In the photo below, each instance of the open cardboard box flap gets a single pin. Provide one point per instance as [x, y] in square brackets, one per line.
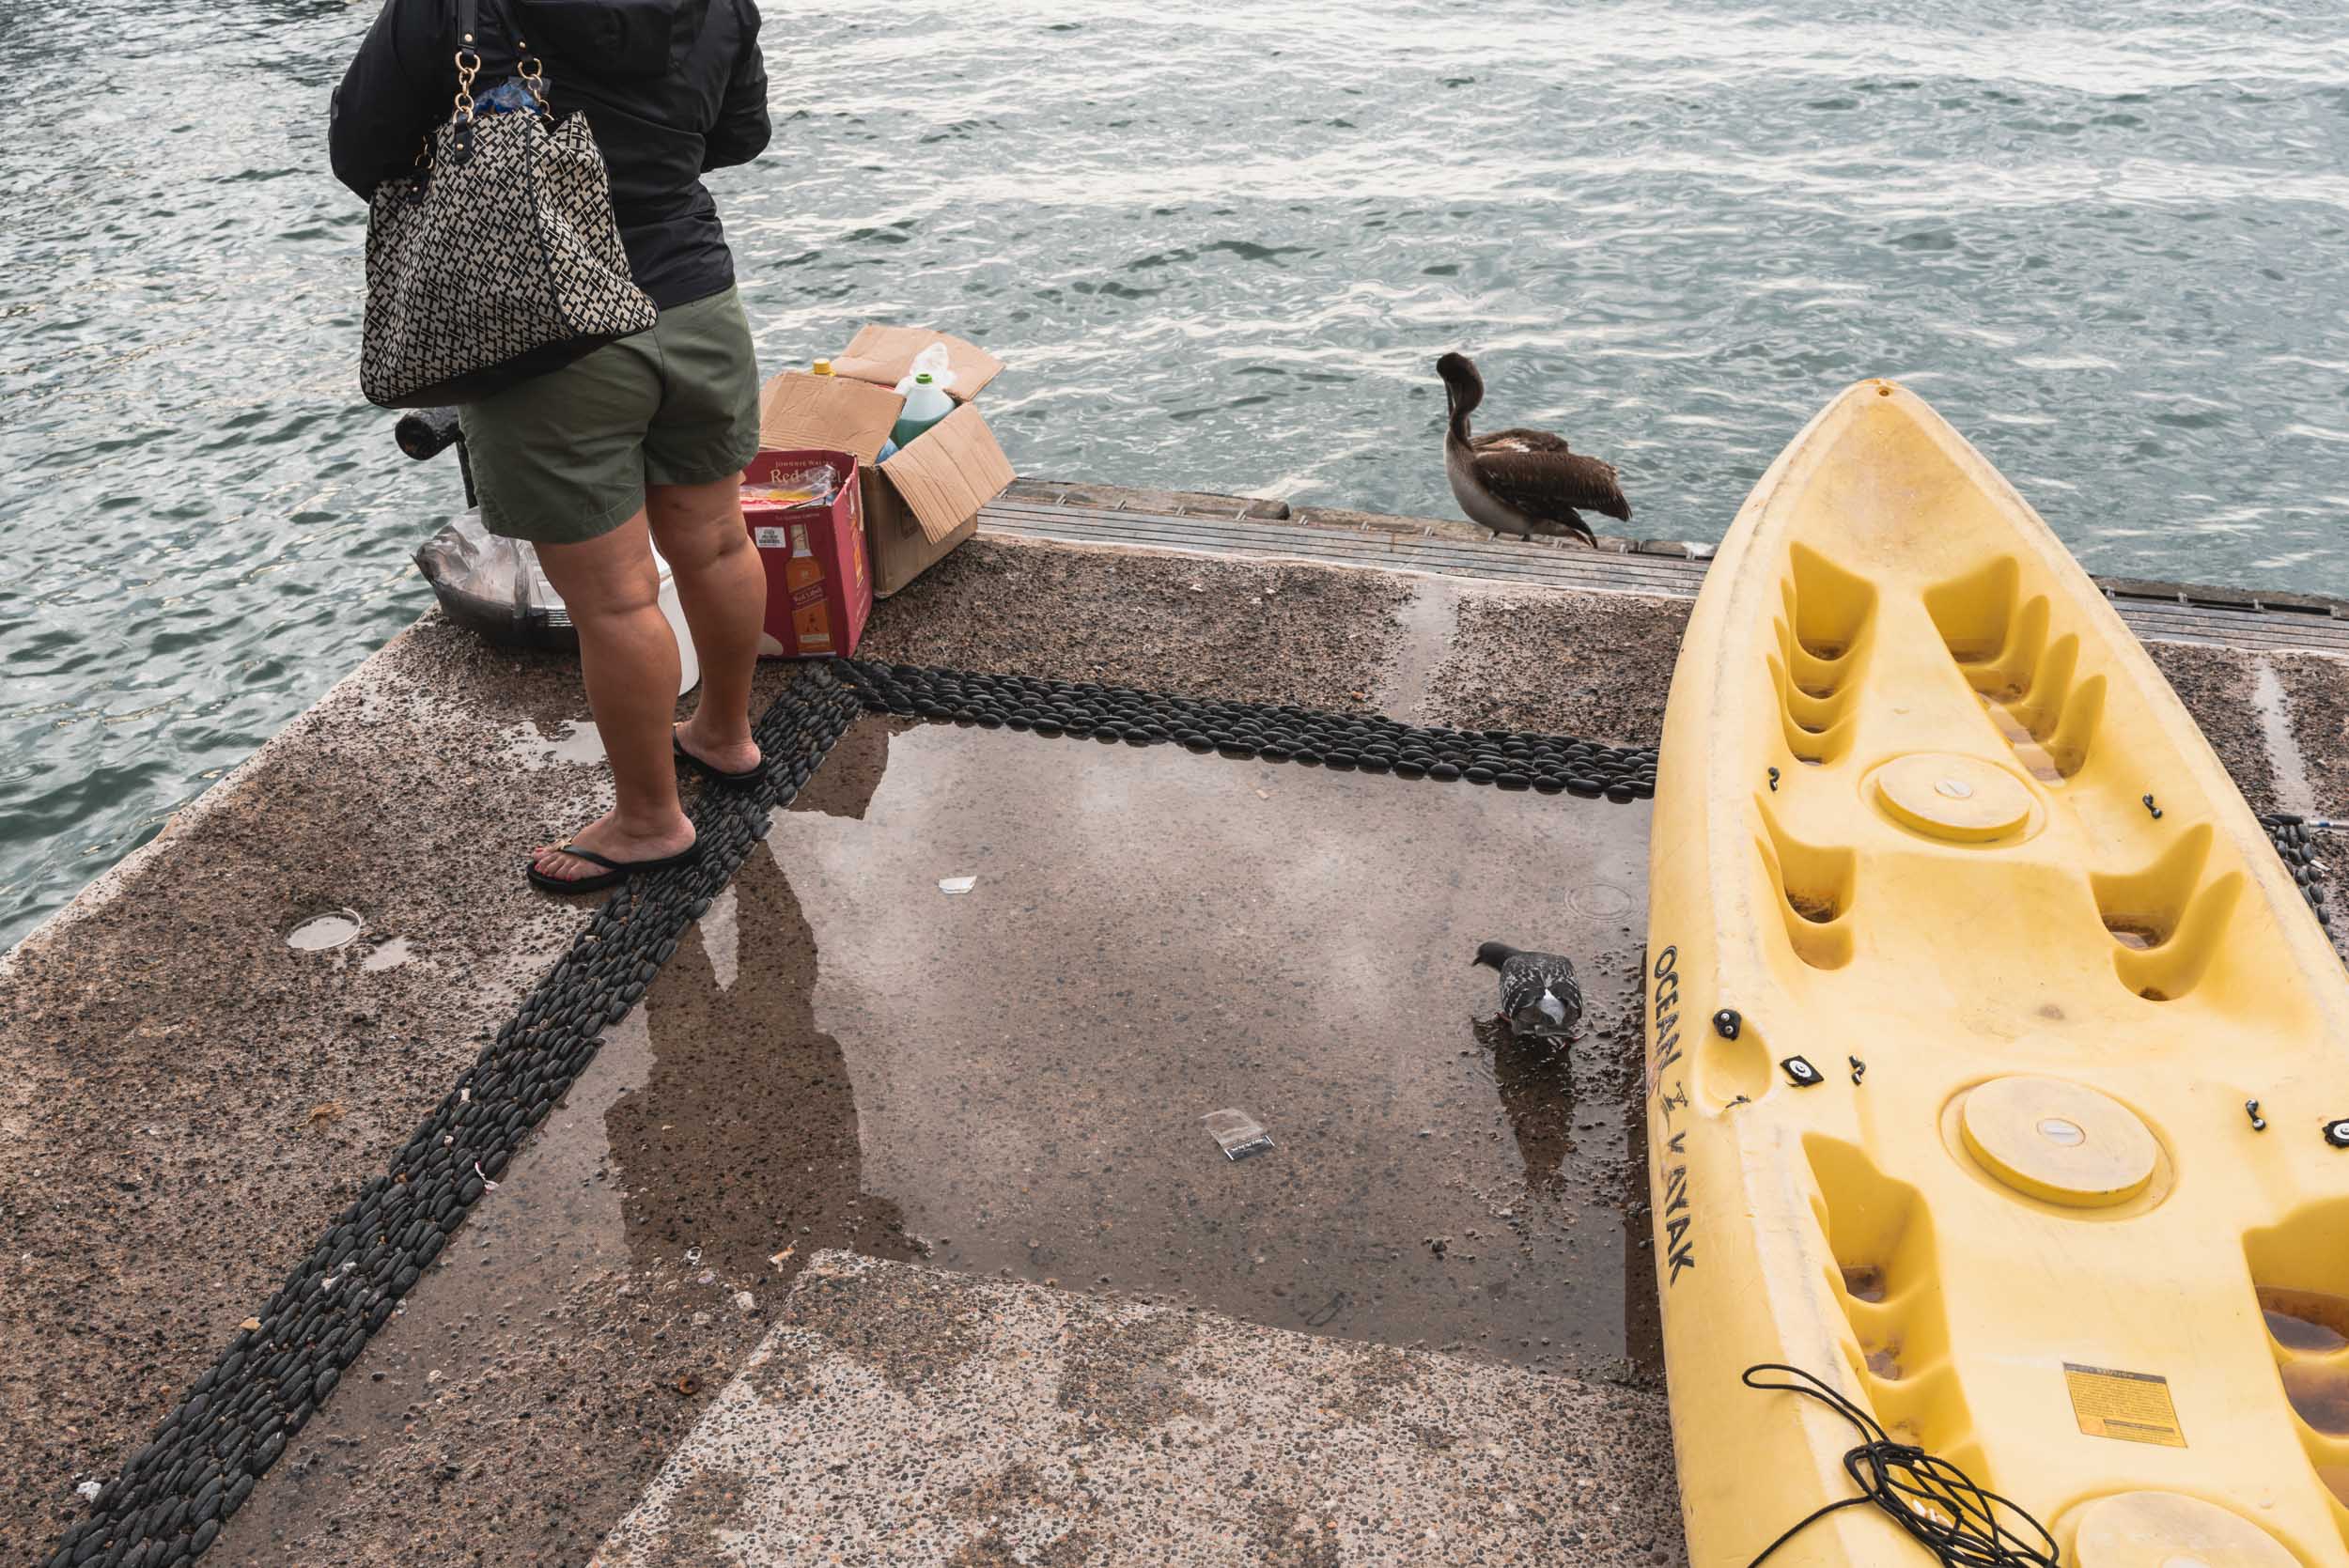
[886, 354]
[949, 472]
[797, 410]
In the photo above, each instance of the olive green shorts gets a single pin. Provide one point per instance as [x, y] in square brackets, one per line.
[566, 456]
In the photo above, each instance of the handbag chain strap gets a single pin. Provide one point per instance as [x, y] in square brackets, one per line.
[526, 65]
[468, 56]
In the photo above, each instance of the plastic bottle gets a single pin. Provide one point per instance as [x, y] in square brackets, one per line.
[925, 407]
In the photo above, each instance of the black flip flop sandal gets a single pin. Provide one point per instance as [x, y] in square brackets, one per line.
[749, 776]
[613, 872]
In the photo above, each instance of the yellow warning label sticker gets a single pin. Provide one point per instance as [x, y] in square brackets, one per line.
[2132, 1406]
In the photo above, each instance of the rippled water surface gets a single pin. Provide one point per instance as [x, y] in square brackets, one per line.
[1219, 246]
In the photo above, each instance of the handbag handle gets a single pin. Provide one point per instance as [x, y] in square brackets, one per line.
[526, 65]
[468, 56]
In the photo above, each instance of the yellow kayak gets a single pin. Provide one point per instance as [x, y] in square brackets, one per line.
[1965, 961]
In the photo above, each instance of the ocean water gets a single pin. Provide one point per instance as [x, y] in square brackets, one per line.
[1219, 247]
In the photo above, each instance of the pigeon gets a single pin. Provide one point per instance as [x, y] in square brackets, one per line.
[1540, 999]
[1520, 482]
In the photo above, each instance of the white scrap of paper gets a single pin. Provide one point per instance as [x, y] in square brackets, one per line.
[956, 884]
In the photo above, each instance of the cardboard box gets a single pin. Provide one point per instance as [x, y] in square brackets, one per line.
[819, 589]
[926, 499]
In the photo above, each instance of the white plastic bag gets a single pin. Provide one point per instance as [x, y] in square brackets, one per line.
[491, 579]
[930, 362]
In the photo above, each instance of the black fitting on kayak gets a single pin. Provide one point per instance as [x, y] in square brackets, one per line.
[1773, 781]
[1859, 1068]
[1726, 1023]
[2337, 1133]
[2251, 1108]
[1801, 1074]
[2150, 807]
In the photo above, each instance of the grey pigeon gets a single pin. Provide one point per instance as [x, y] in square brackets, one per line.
[1540, 999]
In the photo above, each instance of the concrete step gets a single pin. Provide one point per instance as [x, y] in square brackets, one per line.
[907, 1416]
[1096, 515]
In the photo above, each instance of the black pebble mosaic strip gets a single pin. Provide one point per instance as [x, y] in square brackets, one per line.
[168, 1504]
[1374, 744]
[2296, 841]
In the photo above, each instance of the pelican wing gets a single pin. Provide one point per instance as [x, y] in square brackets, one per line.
[1519, 440]
[1547, 485]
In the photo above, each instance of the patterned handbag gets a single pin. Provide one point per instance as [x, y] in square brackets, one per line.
[499, 260]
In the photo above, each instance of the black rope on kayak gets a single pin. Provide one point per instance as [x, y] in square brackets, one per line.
[1934, 1502]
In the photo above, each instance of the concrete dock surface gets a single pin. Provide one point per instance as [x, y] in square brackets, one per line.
[742, 1344]
[1019, 1424]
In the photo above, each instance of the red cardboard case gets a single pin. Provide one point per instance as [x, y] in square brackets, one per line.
[819, 584]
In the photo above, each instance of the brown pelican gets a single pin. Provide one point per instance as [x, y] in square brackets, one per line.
[1520, 482]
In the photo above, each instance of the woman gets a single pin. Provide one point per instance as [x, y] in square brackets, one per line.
[644, 440]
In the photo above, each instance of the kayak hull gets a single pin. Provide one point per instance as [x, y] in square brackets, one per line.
[1965, 956]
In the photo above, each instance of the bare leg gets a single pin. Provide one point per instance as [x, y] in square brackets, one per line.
[630, 659]
[722, 590]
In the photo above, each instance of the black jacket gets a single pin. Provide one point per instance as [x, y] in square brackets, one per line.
[671, 87]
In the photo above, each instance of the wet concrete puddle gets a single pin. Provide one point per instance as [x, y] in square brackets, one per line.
[1010, 1080]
